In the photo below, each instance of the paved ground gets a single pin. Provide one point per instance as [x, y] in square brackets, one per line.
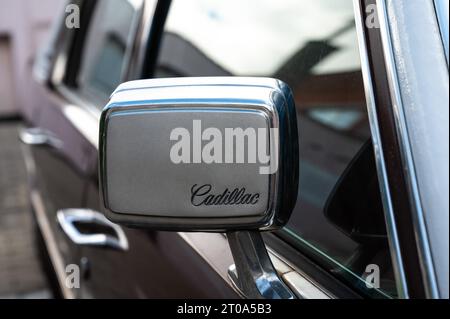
[21, 275]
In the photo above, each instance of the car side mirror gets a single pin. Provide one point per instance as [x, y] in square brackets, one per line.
[200, 154]
[213, 154]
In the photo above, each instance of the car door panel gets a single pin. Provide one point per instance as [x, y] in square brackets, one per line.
[58, 177]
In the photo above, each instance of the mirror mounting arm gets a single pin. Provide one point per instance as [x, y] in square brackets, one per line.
[253, 273]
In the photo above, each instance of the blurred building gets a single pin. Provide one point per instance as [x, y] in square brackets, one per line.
[23, 26]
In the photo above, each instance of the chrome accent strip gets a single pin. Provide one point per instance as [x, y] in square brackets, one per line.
[305, 288]
[420, 230]
[391, 226]
[280, 265]
[302, 287]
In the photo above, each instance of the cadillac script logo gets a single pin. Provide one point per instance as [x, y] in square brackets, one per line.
[204, 195]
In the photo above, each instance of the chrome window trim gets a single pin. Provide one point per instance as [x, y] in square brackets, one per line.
[311, 290]
[60, 64]
[300, 283]
[45, 56]
[427, 267]
[143, 28]
[391, 226]
[442, 7]
[134, 30]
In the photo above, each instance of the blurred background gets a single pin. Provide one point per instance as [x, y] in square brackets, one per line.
[24, 26]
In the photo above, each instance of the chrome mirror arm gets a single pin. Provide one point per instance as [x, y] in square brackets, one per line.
[253, 273]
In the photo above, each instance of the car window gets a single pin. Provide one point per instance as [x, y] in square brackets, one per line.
[312, 45]
[104, 54]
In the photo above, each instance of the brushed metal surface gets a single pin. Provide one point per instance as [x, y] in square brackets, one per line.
[143, 179]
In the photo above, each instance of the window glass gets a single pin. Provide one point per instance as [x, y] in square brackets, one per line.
[104, 52]
[311, 45]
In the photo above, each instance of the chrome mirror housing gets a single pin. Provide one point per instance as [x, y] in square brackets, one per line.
[200, 154]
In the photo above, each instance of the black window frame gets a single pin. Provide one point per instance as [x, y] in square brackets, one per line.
[402, 207]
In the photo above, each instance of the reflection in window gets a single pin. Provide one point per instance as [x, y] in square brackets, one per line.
[312, 46]
[103, 77]
[103, 56]
[339, 119]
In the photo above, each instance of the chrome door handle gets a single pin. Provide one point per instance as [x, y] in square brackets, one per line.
[68, 217]
[39, 136]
